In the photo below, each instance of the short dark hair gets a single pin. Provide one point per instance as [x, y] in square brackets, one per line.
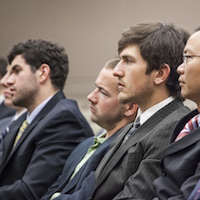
[38, 52]
[159, 44]
[3, 66]
[111, 64]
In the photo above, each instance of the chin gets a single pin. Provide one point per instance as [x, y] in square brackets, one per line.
[122, 98]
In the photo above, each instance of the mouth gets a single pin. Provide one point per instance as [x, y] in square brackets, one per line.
[120, 86]
[181, 83]
[92, 109]
[8, 94]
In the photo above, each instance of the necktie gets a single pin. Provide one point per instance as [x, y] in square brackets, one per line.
[21, 131]
[3, 134]
[136, 125]
[191, 125]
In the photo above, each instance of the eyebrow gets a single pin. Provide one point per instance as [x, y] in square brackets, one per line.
[15, 67]
[101, 88]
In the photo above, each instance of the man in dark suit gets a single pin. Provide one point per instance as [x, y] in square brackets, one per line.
[181, 159]
[5, 111]
[150, 54]
[111, 115]
[33, 155]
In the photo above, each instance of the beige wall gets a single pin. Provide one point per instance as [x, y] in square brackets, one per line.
[88, 29]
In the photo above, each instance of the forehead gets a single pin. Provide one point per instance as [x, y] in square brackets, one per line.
[132, 51]
[106, 79]
[193, 43]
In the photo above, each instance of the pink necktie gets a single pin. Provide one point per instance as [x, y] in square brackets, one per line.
[189, 127]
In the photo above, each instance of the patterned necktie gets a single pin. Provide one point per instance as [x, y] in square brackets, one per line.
[136, 125]
[21, 131]
[3, 134]
[191, 125]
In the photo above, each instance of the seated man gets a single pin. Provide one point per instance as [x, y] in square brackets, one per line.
[40, 140]
[150, 54]
[181, 159]
[111, 115]
[5, 111]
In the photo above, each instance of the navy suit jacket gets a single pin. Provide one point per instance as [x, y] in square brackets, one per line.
[6, 111]
[28, 169]
[180, 164]
[82, 184]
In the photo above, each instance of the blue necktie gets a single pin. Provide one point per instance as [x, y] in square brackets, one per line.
[136, 125]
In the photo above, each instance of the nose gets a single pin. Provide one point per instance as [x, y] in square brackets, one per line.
[118, 70]
[180, 69]
[3, 81]
[92, 97]
[7, 80]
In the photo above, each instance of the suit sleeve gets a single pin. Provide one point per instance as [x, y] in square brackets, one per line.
[49, 148]
[188, 186]
[84, 193]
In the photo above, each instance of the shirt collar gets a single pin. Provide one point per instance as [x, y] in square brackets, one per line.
[100, 138]
[31, 116]
[149, 112]
[1, 98]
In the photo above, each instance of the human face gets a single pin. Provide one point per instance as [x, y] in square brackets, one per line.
[135, 86]
[20, 83]
[189, 70]
[105, 108]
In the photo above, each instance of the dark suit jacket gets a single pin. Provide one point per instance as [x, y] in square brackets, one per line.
[180, 164]
[71, 190]
[6, 111]
[128, 170]
[28, 169]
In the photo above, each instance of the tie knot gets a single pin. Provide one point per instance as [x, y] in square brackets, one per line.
[136, 123]
[24, 126]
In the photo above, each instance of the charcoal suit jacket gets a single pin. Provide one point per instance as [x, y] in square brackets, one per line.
[128, 170]
[28, 169]
[180, 164]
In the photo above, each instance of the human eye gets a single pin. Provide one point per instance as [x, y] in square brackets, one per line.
[16, 70]
[127, 59]
[186, 58]
[102, 91]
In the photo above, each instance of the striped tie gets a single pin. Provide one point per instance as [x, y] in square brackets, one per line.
[4, 133]
[191, 125]
[21, 131]
[136, 125]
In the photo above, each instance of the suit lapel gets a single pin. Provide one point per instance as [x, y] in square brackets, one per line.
[117, 153]
[10, 137]
[186, 141]
[47, 108]
[10, 150]
[113, 148]
[73, 162]
[96, 157]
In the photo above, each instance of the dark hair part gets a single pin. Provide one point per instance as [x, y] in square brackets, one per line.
[38, 52]
[111, 64]
[3, 66]
[159, 44]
